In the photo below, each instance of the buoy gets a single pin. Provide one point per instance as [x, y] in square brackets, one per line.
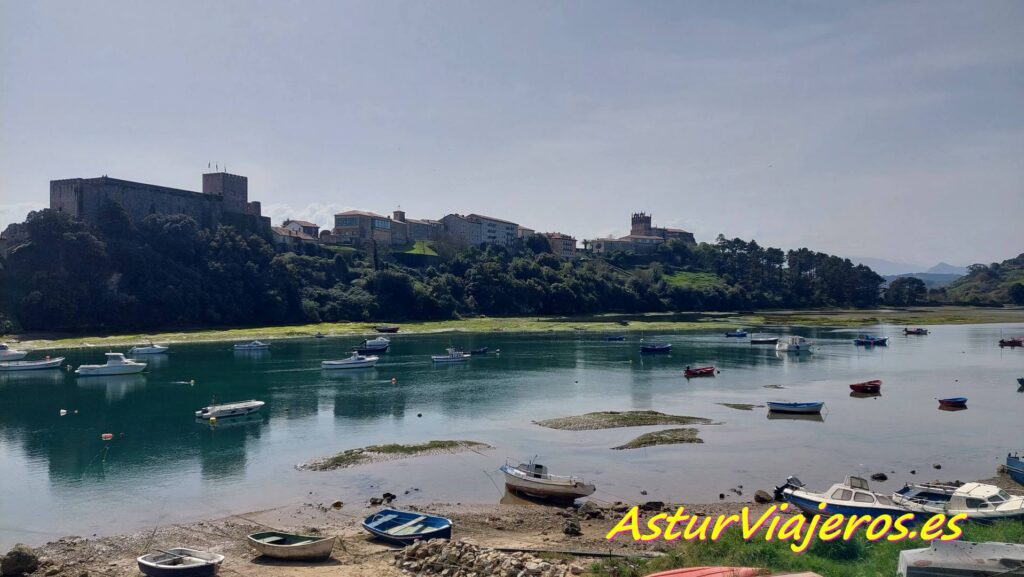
[107, 436]
[63, 412]
[213, 420]
[191, 382]
[394, 380]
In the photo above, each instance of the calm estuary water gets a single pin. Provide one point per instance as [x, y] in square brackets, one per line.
[57, 477]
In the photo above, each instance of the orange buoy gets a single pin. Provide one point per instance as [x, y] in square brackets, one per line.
[107, 436]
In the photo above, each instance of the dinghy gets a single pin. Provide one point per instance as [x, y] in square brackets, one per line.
[235, 409]
[534, 480]
[356, 361]
[867, 387]
[180, 562]
[32, 365]
[454, 356]
[736, 334]
[9, 354]
[796, 408]
[291, 546]
[871, 341]
[656, 348]
[116, 365]
[615, 338]
[1015, 467]
[851, 497]
[151, 349]
[253, 346]
[918, 331]
[405, 527]
[953, 403]
[387, 329]
[699, 372]
[764, 340]
[978, 501]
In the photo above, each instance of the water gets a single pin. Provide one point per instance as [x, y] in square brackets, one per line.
[57, 477]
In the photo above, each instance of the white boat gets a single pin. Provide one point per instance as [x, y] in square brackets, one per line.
[116, 365]
[253, 346]
[32, 365]
[962, 559]
[793, 345]
[151, 349]
[851, 497]
[377, 345]
[9, 354]
[980, 502]
[454, 356]
[534, 480]
[356, 361]
[235, 409]
[180, 562]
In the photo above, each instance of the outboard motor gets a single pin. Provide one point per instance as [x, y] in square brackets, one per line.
[791, 483]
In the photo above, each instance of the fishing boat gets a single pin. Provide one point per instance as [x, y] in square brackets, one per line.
[1014, 342]
[356, 361]
[150, 349]
[180, 562]
[405, 527]
[9, 354]
[699, 372]
[236, 409]
[851, 497]
[874, 386]
[534, 480]
[387, 329]
[796, 408]
[1015, 467]
[615, 338]
[377, 345]
[793, 344]
[739, 333]
[46, 363]
[917, 331]
[656, 348]
[870, 341]
[454, 356]
[253, 346]
[291, 546]
[764, 340]
[962, 559]
[978, 501]
[953, 403]
[479, 351]
[710, 572]
[116, 365]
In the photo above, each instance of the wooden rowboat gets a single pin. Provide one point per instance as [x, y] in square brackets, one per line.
[867, 387]
[180, 562]
[953, 403]
[32, 365]
[797, 408]
[656, 348]
[699, 372]
[292, 546]
[405, 527]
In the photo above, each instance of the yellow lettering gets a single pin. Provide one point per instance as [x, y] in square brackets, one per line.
[874, 533]
[629, 522]
[955, 531]
[852, 524]
[932, 528]
[670, 528]
[722, 523]
[689, 533]
[652, 524]
[830, 528]
[808, 535]
[748, 530]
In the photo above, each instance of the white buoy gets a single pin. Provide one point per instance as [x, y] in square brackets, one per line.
[63, 412]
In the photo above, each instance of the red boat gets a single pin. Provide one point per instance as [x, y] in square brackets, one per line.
[699, 372]
[1014, 342]
[867, 387]
[953, 403]
[387, 329]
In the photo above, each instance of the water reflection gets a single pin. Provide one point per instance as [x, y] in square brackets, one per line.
[816, 417]
[857, 395]
[47, 376]
[115, 387]
[252, 354]
[152, 361]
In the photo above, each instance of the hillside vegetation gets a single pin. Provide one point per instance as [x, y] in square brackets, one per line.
[997, 282]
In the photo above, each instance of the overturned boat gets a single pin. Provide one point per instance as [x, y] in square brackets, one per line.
[534, 480]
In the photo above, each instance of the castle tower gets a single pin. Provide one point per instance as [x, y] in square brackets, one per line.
[398, 215]
[641, 224]
[234, 189]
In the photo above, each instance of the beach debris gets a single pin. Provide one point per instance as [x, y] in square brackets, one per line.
[461, 559]
[936, 466]
[337, 504]
[19, 560]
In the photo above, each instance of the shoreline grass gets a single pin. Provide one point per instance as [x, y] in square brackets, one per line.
[618, 419]
[389, 452]
[666, 437]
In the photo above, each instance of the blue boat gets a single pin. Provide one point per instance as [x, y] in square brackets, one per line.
[405, 527]
[798, 408]
[851, 497]
[655, 348]
[1015, 467]
[615, 338]
[738, 333]
[871, 341]
[953, 403]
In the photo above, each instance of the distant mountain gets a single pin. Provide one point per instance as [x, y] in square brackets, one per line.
[944, 268]
[887, 267]
[931, 280]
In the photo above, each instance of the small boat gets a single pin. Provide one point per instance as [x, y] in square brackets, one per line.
[917, 331]
[116, 365]
[1020, 381]
[1015, 467]
[47, 363]
[253, 346]
[9, 354]
[962, 559]
[871, 341]
[764, 340]
[954, 403]
[874, 386]
[356, 361]
[454, 356]
[291, 546]
[793, 345]
[180, 562]
[387, 329]
[405, 527]
[377, 345]
[710, 572]
[236, 409]
[534, 480]
[319, 335]
[151, 349]
[616, 338]
[737, 333]
[656, 348]
[1014, 342]
[796, 408]
[699, 372]
[480, 351]
[978, 501]
[851, 497]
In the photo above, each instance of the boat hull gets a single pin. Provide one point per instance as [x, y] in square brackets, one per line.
[154, 350]
[31, 365]
[656, 349]
[100, 370]
[954, 403]
[867, 387]
[163, 564]
[425, 526]
[809, 504]
[334, 365]
[773, 341]
[795, 408]
[225, 411]
[13, 355]
[447, 359]
[547, 489]
[701, 372]
[1015, 468]
[292, 547]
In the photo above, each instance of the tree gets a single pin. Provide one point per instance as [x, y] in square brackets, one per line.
[1016, 293]
[906, 290]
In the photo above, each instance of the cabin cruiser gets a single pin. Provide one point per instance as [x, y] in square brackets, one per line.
[454, 356]
[851, 497]
[534, 480]
[9, 354]
[980, 502]
[150, 349]
[377, 345]
[793, 344]
[356, 361]
[253, 346]
[116, 365]
[235, 409]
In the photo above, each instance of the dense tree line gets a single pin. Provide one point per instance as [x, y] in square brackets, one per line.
[168, 272]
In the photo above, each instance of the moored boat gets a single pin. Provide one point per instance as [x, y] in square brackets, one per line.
[953, 403]
[978, 501]
[916, 331]
[533, 479]
[405, 527]
[807, 408]
[851, 497]
[116, 365]
[1015, 467]
[454, 356]
[150, 349]
[235, 409]
[291, 546]
[794, 344]
[756, 340]
[739, 333]
[656, 348]
[377, 345]
[180, 562]
[252, 346]
[9, 354]
[867, 386]
[1014, 342]
[699, 372]
[871, 341]
[356, 361]
[387, 329]
[46, 363]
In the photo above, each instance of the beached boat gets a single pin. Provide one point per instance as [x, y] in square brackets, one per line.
[962, 559]
[755, 340]
[479, 351]
[656, 348]
[405, 527]
[736, 334]
[9, 354]
[356, 361]
[917, 331]
[454, 356]
[387, 329]
[698, 372]
[236, 409]
[291, 546]
[978, 501]
[867, 386]
[953, 403]
[796, 408]
[1014, 342]
[253, 346]
[871, 341]
[851, 497]
[534, 480]
[116, 365]
[180, 562]
[615, 338]
[710, 572]
[150, 349]
[793, 344]
[46, 363]
[1015, 467]
[377, 345]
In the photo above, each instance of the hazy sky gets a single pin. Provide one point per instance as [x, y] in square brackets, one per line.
[893, 130]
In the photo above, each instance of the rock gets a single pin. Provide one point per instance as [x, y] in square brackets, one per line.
[721, 496]
[53, 571]
[376, 501]
[572, 528]
[879, 477]
[621, 507]
[762, 497]
[389, 497]
[652, 506]
[643, 491]
[936, 466]
[337, 504]
[591, 511]
[20, 559]
[913, 471]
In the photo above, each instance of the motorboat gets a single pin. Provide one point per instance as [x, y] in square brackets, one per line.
[292, 546]
[656, 348]
[150, 349]
[917, 331]
[874, 386]
[236, 409]
[405, 527]
[698, 372]
[736, 334]
[953, 403]
[252, 346]
[755, 340]
[851, 497]
[180, 562]
[46, 363]
[978, 501]
[387, 329]
[1015, 467]
[796, 408]
[794, 344]
[9, 354]
[534, 480]
[377, 345]
[356, 361]
[116, 365]
[962, 559]
[454, 355]
[870, 341]
[1014, 342]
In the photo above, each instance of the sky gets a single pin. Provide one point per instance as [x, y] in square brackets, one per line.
[891, 129]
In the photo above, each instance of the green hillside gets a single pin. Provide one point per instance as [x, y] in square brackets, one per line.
[998, 282]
